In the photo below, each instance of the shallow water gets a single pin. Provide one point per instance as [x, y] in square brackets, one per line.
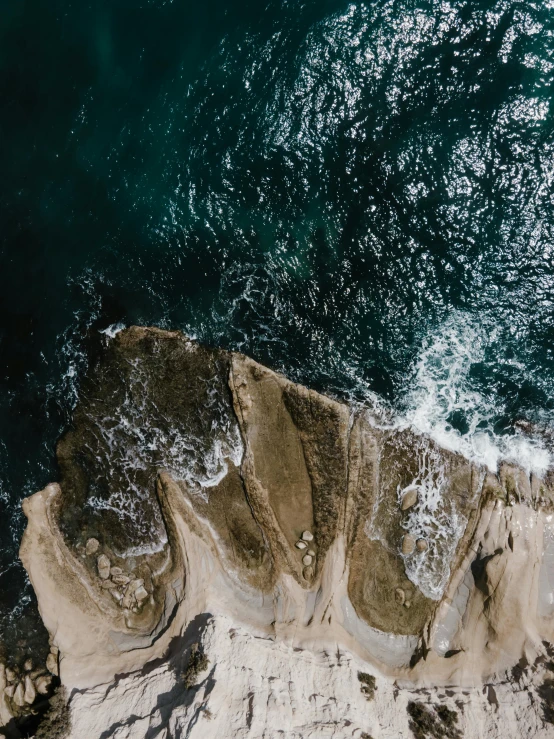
[359, 195]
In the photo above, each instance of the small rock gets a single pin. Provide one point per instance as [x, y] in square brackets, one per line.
[141, 594]
[121, 579]
[28, 665]
[10, 675]
[400, 596]
[311, 552]
[91, 547]
[408, 544]
[103, 564]
[421, 545]
[307, 560]
[108, 584]
[43, 684]
[19, 695]
[30, 691]
[308, 573]
[409, 499]
[407, 604]
[9, 690]
[54, 649]
[128, 598]
[134, 585]
[116, 571]
[52, 664]
[116, 595]
[307, 536]
[301, 544]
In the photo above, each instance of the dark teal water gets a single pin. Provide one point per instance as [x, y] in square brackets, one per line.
[357, 194]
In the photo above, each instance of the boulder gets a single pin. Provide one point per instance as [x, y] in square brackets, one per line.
[121, 579]
[10, 675]
[421, 545]
[408, 544]
[307, 560]
[409, 499]
[129, 596]
[307, 536]
[43, 683]
[91, 547]
[28, 665]
[30, 690]
[400, 596]
[103, 564]
[9, 690]
[19, 695]
[301, 544]
[141, 594]
[52, 664]
[116, 571]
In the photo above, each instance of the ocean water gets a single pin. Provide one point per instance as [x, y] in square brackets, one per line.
[357, 194]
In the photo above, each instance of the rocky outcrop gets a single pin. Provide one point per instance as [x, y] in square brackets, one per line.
[205, 499]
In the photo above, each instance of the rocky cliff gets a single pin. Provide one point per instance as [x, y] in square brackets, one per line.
[230, 554]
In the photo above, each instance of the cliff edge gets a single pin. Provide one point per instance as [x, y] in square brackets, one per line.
[230, 554]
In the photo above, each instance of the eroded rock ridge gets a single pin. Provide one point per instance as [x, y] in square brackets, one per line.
[209, 506]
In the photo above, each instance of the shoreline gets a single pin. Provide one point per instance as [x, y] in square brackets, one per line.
[279, 551]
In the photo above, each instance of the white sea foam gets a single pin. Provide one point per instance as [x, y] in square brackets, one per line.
[433, 518]
[113, 330]
[442, 386]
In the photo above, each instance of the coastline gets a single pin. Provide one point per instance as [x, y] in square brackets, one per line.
[313, 476]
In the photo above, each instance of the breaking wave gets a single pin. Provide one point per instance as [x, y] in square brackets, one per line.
[446, 400]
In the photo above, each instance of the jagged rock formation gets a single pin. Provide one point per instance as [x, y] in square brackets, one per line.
[205, 499]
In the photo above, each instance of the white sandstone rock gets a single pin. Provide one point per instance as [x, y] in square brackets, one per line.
[408, 544]
[30, 690]
[121, 579]
[43, 684]
[141, 594]
[91, 547]
[19, 695]
[409, 499]
[103, 564]
[52, 664]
